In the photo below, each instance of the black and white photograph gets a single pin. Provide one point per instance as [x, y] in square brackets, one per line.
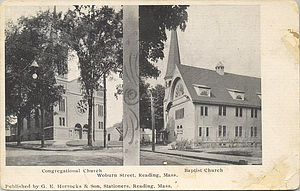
[199, 85]
[168, 95]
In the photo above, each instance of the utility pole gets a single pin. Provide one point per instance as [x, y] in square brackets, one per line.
[42, 124]
[152, 122]
[104, 108]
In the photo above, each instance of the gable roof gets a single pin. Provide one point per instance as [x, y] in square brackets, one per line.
[219, 85]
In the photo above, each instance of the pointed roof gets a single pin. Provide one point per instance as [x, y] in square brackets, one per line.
[174, 56]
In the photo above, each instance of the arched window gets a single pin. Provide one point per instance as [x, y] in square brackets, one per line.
[179, 90]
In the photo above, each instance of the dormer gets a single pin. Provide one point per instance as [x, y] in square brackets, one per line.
[237, 94]
[202, 90]
[258, 94]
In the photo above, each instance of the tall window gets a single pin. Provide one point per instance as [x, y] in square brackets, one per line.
[62, 105]
[207, 131]
[254, 113]
[222, 131]
[252, 132]
[240, 131]
[255, 131]
[200, 131]
[222, 110]
[236, 131]
[100, 110]
[62, 121]
[101, 125]
[239, 112]
[179, 114]
[204, 111]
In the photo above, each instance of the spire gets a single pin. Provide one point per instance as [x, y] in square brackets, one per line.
[174, 57]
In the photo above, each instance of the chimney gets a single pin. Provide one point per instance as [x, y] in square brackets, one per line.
[220, 68]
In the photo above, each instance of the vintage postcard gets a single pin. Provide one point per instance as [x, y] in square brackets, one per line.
[149, 95]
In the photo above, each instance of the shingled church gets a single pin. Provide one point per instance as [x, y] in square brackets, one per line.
[210, 107]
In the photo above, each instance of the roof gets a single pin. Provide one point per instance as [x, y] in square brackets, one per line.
[219, 85]
[174, 56]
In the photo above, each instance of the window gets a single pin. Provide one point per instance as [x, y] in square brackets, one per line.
[255, 131]
[62, 121]
[101, 125]
[61, 106]
[252, 132]
[237, 94]
[108, 137]
[238, 131]
[179, 90]
[204, 111]
[200, 131]
[179, 114]
[222, 131]
[253, 113]
[100, 110]
[207, 131]
[222, 110]
[239, 112]
[241, 131]
[202, 90]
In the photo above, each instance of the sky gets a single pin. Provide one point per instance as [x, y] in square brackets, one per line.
[219, 33]
[215, 33]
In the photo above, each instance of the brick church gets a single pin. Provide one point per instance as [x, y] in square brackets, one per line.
[210, 107]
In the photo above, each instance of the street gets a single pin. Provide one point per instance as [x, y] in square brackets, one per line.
[110, 157]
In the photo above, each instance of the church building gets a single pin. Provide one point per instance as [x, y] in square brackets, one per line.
[210, 108]
[68, 119]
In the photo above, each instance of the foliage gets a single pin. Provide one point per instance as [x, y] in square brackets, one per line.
[182, 144]
[153, 23]
[28, 40]
[158, 93]
[94, 33]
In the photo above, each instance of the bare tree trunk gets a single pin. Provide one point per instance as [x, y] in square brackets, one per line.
[19, 121]
[90, 132]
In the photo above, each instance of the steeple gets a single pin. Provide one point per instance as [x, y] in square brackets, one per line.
[174, 57]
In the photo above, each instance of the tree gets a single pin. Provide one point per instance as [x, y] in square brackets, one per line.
[158, 93]
[153, 23]
[28, 40]
[94, 33]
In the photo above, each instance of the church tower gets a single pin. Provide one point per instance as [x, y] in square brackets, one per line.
[173, 60]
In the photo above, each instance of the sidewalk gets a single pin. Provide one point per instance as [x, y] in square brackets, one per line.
[63, 145]
[205, 155]
[48, 146]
